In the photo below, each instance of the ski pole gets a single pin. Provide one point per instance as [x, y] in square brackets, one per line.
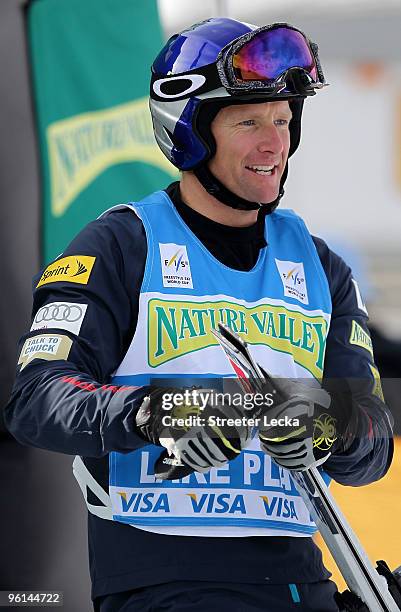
[350, 557]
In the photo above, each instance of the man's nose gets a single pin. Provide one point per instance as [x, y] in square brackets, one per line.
[271, 140]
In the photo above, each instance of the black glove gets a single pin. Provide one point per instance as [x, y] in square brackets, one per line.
[324, 426]
[208, 438]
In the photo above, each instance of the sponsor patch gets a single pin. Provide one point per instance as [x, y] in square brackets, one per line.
[377, 385]
[48, 347]
[176, 270]
[251, 491]
[292, 276]
[177, 327]
[61, 315]
[360, 337]
[71, 269]
[359, 300]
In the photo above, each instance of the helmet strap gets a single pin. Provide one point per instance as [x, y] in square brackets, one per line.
[216, 189]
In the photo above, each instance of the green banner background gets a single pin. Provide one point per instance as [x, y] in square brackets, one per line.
[91, 68]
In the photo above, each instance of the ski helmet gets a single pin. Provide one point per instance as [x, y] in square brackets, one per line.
[221, 62]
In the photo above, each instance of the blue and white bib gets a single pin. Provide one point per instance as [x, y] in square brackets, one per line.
[282, 309]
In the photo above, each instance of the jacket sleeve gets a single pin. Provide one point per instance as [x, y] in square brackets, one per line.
[85, 309]
[349, 360]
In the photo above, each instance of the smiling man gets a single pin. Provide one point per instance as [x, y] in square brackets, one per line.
[252, 139]
[253, 146]
[225, 529]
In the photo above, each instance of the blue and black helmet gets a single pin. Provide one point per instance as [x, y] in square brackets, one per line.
[221, 62]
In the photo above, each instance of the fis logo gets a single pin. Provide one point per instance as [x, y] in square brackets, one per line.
[292, 276]
[212, 503]
[143, 502]
[279, 507]
[176, 261]
[176, 271]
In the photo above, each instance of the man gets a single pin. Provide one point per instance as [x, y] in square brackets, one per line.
[135, 297]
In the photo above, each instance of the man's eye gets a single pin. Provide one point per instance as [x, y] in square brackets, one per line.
[282, 122]
[247, 122]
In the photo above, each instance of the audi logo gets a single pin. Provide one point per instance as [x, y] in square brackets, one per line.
[59, 312]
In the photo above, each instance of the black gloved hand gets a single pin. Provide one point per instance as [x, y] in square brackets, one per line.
[324, 426]
[208, 438]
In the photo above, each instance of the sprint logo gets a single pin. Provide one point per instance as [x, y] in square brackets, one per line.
[292, 276]
[176, 271]
[71, 269]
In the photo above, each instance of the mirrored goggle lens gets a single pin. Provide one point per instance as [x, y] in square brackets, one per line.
[271, 53]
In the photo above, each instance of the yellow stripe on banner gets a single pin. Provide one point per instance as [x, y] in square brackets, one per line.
[83, 146]
[373, 512]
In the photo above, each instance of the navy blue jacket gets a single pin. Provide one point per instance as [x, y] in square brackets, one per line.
[68, 406]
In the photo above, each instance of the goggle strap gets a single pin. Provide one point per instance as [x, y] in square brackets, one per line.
[315, 52]
[172, 83]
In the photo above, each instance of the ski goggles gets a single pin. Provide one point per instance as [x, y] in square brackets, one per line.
[272, 60]
[265, 59]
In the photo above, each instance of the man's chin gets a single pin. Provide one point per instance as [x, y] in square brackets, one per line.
[264, 198]
[260, 194]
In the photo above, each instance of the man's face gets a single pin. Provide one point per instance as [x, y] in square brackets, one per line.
[252, 141]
